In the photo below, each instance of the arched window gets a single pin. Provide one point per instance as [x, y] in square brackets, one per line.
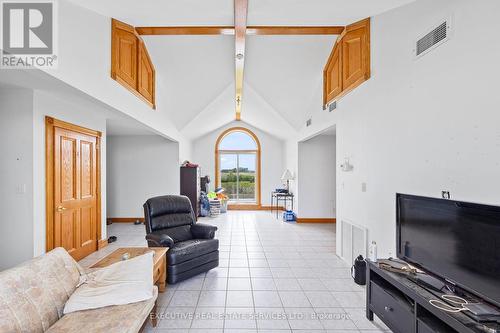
[237, 165]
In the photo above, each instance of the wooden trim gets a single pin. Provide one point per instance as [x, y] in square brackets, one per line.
[102, 243]
[98, 190]
[122, 25]
[49, 183]
[166, 31]
[50, 125]
[258, 153]
[229, 30]
[316, 220]
[271, 208]
[294, 30]
[124, 219]
[136, 93]
[239, 151]
[244, 207]
[71, 127]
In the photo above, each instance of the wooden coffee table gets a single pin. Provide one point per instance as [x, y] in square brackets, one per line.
[159, 261]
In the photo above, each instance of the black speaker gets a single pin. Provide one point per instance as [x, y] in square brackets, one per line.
[358, 270]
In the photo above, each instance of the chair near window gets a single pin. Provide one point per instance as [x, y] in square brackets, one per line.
[170, 222]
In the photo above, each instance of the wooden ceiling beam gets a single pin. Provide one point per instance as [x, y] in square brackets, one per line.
[207, 30]
[294, 30]
[250, 30]
[240, 27]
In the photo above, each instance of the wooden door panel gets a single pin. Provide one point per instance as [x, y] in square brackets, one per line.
[87, 222]
[75, 192]
[87, 169]
[146, 77]
[68, 222]
[334, 74]
[67, 168]
[125, 57]
[352, 57]
[356, 54]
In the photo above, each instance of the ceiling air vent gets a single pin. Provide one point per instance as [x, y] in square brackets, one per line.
[433, 39]
[332, 106]
[308, 122]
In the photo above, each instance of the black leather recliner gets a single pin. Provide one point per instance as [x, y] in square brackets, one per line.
[170, 222]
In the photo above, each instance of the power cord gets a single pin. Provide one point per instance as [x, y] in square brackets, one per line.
[450, 308]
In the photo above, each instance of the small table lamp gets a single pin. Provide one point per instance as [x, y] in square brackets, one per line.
[287, 176]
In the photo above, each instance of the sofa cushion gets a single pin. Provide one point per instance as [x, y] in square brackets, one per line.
[127, 318]
[33, 294]
[190, 249]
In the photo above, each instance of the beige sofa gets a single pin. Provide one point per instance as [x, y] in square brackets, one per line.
[33, 294]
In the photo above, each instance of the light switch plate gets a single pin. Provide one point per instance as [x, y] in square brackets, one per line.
[21, 189]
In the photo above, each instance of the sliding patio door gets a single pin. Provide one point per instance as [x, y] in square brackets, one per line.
[238, 175]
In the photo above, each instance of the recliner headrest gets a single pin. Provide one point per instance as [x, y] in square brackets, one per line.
[168, 204]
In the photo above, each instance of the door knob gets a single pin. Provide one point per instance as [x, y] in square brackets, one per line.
[61, 208]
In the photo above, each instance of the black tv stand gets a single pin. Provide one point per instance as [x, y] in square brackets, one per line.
[404, 306]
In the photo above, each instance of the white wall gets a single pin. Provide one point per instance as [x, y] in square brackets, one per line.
[139, 167]
[22, 113]
[16, 176]
[74, 112]
[272, 158]
[420, 126]
[316, 177]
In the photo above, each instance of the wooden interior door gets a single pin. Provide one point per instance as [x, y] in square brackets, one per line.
[75, 193]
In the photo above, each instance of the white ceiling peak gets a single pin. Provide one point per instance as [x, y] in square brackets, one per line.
[257, 113]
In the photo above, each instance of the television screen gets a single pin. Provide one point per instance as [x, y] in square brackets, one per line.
[458, 241]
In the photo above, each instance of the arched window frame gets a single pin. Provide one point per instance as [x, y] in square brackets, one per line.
[258, 154]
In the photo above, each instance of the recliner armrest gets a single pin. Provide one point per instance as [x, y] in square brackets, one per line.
[159, 240]
[203, 231]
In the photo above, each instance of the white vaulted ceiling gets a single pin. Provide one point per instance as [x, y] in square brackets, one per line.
[286, 71]
[283, 74]
[194, 70]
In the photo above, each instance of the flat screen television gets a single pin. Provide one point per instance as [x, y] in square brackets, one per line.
[457, 241]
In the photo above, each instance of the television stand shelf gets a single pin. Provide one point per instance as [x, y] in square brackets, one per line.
[404, 306]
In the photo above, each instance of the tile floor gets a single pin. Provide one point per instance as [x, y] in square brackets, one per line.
[272, 277]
